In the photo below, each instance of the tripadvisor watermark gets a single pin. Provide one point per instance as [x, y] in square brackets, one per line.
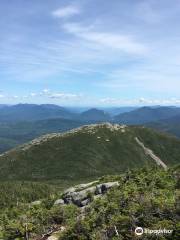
[140, 231]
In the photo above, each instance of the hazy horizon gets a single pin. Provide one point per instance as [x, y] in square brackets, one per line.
[91, 106]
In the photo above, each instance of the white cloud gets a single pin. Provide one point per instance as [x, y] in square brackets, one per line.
[33, 94]
[45, 90]
[116, 41]
[66, 12]
[66, 96]
[139, 102]
[47, 93]
[57, 95]
[165, 102]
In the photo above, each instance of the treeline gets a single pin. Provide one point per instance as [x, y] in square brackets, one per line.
[14, 193]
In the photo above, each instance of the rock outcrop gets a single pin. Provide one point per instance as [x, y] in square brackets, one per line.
[83, 197]
[59, 202]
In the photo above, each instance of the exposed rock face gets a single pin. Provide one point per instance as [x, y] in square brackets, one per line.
[83, 197]
[102, 188]
[79, 187]
[85, 202]
[77, 197]
[106, 186]
[59, 202]
[82, 194]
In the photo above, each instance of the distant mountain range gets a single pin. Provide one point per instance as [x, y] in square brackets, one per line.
[88, 152]
[113, 111]
[146, 114]
[170, 125]
[33, 112]
[95, 115]
[127, 115]
[23, 122]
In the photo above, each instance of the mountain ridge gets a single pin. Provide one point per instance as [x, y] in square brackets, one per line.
[87, 152]
[169, 125]
[32, 112]
[95, 114]
[146, 114]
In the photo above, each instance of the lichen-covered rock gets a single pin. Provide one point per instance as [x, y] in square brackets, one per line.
[70, 190]
[83, 197]
[106, 186]
[85, 185]
[79, 196]
[102, 188]
[79, 187]
[59, 202]
[85, 202]
[98, 189]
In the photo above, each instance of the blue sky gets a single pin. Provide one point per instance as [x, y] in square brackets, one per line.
[90, 52]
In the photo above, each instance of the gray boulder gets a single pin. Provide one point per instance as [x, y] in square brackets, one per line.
[85, 185]
[85, 202]
[79, 196]
[69, 190]
[102, 188]
[108, 185]
[79, 187]
[59, 202]
[98, 189]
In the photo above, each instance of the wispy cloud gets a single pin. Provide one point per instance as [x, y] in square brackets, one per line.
[66, 12]
[44, 94]
[66, 96]
[59, 95]
[125, 43]
[102, 50]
